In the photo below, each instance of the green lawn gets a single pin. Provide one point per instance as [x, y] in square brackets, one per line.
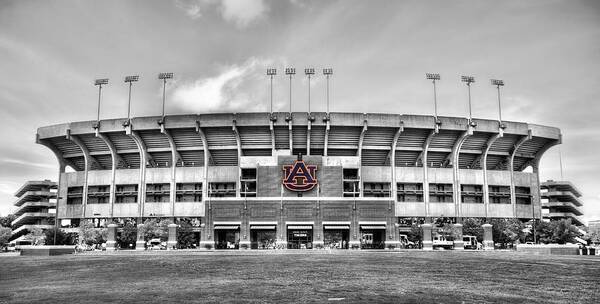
[296, 276]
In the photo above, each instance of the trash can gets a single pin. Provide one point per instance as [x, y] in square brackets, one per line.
[592, 251]
[584, 251]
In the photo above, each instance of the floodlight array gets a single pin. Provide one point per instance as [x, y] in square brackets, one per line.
[132, 78]
[101, 81]
[432, 76]
[290, 71]
[165, 75]
[497, 82]
[328, 71]
[271, 72]
[309, 71]
[467, 79]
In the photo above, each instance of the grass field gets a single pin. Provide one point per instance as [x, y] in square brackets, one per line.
[296, 276]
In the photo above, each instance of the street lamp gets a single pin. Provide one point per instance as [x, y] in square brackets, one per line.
[99, 83]
[309, 72]
[164, 77]
[271, 73]
[291, 72]
[328, 72]
[468, 80]
[130, 80]
[498, 83]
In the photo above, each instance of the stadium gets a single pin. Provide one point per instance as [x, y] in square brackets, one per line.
[297, 180]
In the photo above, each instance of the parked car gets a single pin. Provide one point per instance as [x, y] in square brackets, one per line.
[156, 244]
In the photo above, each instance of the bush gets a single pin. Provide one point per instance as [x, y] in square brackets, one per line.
[128, 236]
[62, 238]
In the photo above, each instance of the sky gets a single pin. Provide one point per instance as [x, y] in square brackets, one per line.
[547, 52]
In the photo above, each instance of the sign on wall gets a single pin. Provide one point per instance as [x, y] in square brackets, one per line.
[300, 176]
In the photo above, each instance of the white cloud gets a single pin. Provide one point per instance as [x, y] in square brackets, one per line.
[193, 8]
[243, 12]
[224, 92]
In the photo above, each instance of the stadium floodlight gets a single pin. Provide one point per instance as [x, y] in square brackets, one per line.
[130, 80]
[291, 72]
[164, 77]
[468, 80]
[433, 77]
[309, 72]
[327, 72]
[271, 72]
[498, 83]
[99, 83]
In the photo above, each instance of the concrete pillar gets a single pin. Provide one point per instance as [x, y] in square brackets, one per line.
[318, 238]
[245, 232]
[172, 242]
[139, 244]
[111, 241]
[427, 242]
[488, 239]
[458, 237]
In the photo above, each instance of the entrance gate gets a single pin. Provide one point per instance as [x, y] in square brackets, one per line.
[299, 237]
[263, 237]
[336, 237]
[372, 237]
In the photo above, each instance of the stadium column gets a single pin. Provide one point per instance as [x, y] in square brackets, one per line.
[272, 130]
[513, 199]
[206, 239]
[395, 240]
[483, 164]
[61, 192]
[536, 170]
[327, 127]
[111, 239]
[87, 160]
[308, 128]
[424, 153]
[359, 153]
[175, 157]
[458, 234]
[115, 158]
[143, 162]
[290, 134]
[456, 170]
[427, 243]
[172, 241]
[488, 241]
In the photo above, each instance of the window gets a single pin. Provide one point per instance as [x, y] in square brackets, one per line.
[351, 183]
[188, 192]
[499, 194]
[248, 183]
[222, 190]
[409, 192]
[98, 194]
[126, 194]
[74, 195]
[440, 193]
[158, 193]
[471, 194]
[523, 195]
[376, 190]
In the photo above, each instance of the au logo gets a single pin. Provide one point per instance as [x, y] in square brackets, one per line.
[300, 176]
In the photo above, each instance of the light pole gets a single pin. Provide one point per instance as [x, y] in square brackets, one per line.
[99, 83]
[468, 80]
[433, 77]
[309, 72]
[498, 83]
[164, 77]
[271, 73]
[130, 80]
[327, 72]
[291, 72]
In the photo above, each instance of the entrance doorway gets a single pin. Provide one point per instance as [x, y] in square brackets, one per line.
[227, 238]
[372, 238]
[299, 238]
[262, 238]
[336, 237]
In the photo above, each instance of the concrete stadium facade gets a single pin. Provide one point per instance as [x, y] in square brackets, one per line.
[372, 170]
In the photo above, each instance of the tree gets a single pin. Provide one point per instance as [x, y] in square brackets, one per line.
[593, 238]
[128, 236]
[153, 229]
[186, 237]
[507, 231]
[62, 238]
[415, 234]
[36, 236]
[5, 233]
[6, 221]
[472, 226]
[87, 232]
[564, 232]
